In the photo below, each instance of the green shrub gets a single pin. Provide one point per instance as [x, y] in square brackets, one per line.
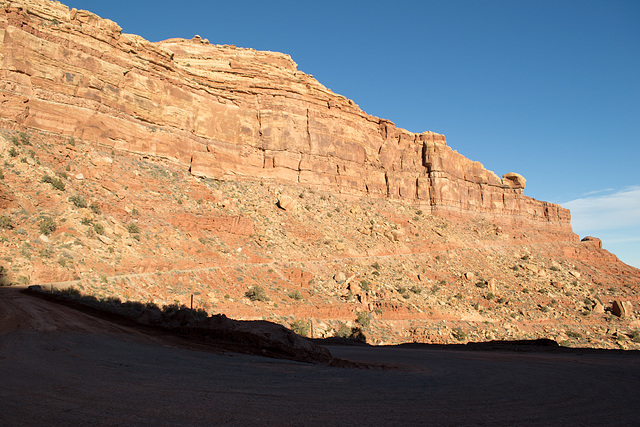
[295, 295]
[78, 201]
[6, 222]
[133, 228]
[459, 334]
[98, 228]
[256, 293]
[71, 141]
[416, 289]
[47, 226]
[95, 208]
[376, 265]
[574, 335]
[55, 182]
[86, 221]
[364, 319]
[364, 284]
[301, 327]
[554, 268]
[25, 138]
[490, 296]
[13, 152]
[343, 331]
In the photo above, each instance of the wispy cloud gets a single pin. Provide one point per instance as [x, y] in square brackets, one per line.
[606, 212]
[606, 190]
[615, 218]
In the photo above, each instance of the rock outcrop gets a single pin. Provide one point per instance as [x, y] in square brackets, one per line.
[227, 112]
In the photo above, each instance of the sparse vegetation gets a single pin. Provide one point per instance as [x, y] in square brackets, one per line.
[78, 201]
[55, 182]
[47, 226]
[95, 208]
[295, 295]
[98, 228]
[363, 319]
[256, 293]
[301, 327]
[6, 222]
[133, 228]
[458, 334]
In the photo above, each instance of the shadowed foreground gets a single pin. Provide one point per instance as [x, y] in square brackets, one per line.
[59, 366]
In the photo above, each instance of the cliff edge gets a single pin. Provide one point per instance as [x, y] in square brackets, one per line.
[233, 113]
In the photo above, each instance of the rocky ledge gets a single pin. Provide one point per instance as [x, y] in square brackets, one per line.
[233, 113]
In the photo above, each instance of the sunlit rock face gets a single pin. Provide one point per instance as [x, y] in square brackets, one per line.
[233, 113]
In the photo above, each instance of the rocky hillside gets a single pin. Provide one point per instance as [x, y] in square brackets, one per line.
[162, 171]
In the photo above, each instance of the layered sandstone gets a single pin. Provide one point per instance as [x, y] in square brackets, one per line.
[231, 113]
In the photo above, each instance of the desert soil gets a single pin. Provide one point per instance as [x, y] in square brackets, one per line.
[59, 366]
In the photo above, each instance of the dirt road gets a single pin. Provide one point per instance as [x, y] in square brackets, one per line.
[61, 367]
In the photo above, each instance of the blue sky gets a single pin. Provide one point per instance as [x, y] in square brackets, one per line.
[548, 89]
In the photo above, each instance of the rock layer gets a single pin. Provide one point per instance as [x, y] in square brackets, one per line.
[232, 113]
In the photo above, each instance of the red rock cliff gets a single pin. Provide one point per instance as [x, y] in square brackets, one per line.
[228, 112]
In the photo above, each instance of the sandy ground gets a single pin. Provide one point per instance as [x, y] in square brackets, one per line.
[62, 367]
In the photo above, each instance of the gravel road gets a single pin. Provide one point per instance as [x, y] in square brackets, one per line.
[59, 366]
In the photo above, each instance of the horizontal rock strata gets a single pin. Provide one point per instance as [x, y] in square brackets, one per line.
[232, 113]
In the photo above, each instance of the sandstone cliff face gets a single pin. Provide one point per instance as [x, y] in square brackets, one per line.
[231, 113]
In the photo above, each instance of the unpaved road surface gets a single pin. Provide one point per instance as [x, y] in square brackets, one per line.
[59, 366]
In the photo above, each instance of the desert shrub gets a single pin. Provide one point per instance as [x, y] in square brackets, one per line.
[343, 331]
[574, 335]
[71, 141]
[98, 228]
[364, 284]
[490, 296]
[256, 293]
[95, 208]
[416, 289]
[25, 138]
[635, 335]
[363, 319]
[78, 201]
[6, 222]
[376, 265]
[86, 221]
[525, 257]
[295, 295]
[47, 226]
[554, 268]
[1, 174]
[55, 182]
[458, 334]
[13, 152]
[515, 268]
[133, 228]
[301, 327]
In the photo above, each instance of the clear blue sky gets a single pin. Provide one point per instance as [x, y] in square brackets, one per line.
[548, 89]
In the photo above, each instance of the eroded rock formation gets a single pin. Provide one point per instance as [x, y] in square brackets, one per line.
[228, 112]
